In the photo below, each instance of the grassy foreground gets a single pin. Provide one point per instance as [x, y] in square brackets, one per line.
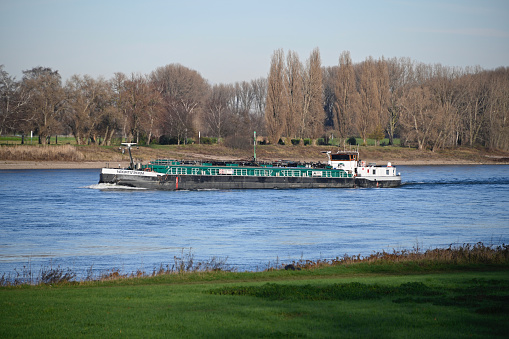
[381, 299]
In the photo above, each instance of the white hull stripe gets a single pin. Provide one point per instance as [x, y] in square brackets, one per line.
[116, 171]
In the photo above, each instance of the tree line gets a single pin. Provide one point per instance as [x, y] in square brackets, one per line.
[172, 102]
[426, 106]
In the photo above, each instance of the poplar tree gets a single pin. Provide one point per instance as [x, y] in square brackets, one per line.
[276, 107]
[293, 77]
[313, 114]
[346, 95]
[367, 116]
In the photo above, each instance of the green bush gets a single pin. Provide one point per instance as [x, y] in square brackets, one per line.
[169, 140]
[208, 140]
[295, 142]
[307, 141]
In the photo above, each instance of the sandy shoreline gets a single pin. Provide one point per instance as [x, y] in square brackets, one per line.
[16, 165]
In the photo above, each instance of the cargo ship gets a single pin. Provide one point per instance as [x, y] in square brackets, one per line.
[343, 169]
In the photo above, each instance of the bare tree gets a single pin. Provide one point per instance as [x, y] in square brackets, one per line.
[183, 91]
[329, 98]
[294, 84]
[86, 102]
[137, 97]
[347, 97]
[419, 116]
[473, 104]
[446, 97]
[259, 87]
[12, 99]
[400, 73]
[313, 114]
[367, 117]
[497, 126]
[243, 98]
[118, 85]
[383, 96]
[217, 114]
[153, 113]
[46, 100]
[276, 107]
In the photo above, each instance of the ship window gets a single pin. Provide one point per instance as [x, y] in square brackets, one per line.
[336, 157]
[387, 172]
[374, 172]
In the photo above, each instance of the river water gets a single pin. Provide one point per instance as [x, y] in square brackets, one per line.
[63, 218]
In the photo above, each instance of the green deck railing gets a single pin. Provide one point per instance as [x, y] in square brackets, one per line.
[172, 167]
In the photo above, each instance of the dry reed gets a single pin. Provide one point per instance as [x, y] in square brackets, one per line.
[458, 255]
[41, 153]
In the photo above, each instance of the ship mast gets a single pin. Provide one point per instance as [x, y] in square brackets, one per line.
[129, 144]
[254, 147]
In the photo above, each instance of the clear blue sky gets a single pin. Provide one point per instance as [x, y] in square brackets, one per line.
[228, 41]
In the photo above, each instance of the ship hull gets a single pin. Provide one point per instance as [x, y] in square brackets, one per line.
[157, 181]
[150, 180]
[387, 182]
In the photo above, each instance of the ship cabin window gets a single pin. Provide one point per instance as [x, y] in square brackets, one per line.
[374, 172]
[343, 157]
[387, 172]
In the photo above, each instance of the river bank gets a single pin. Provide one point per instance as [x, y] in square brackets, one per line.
[82, 157]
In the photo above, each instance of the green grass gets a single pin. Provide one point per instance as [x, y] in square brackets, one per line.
[351, 301]
[372, 142]
[62, 140]
[16, 140]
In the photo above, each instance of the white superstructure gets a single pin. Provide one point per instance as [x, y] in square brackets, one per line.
[350, 162]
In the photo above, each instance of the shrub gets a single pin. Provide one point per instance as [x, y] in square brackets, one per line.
[164, 140]
[352, 141]
[56, 276]
[295, 142]
[170, 140]
[307, 141]
[208, 140]
[322, 141]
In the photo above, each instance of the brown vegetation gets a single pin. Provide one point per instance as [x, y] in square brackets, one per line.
[85, 155]
[42, 153]
[430, 107]
[466, 254]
